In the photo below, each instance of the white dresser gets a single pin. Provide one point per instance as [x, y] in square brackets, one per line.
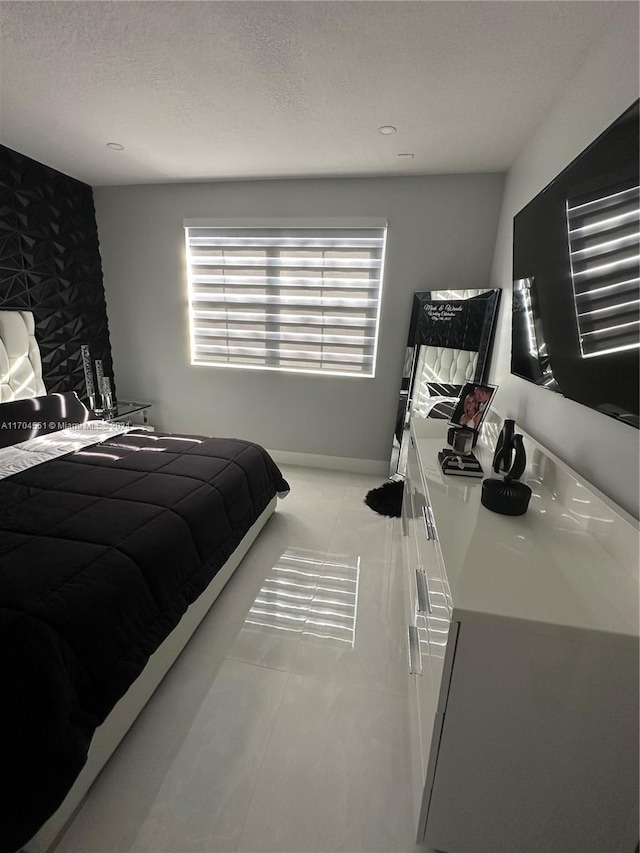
[523, 658]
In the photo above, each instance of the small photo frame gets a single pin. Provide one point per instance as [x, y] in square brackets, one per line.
[473, 404]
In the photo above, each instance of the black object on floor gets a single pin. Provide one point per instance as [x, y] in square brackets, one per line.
[386, 499]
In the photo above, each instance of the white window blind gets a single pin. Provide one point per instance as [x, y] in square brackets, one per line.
[301, 297]
[604, 253]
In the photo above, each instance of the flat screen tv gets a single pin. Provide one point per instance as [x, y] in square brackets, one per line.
[575, 321]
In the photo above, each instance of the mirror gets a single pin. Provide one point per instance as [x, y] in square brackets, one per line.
[449, 343]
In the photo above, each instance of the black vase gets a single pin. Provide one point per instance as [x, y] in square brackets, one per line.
[507, 496]
[502, 458]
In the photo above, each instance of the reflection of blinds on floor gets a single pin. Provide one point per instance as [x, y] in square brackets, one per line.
[301, 297]
[604, 253]
[314, 595]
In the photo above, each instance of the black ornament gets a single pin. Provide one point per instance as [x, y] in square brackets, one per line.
[507, 496]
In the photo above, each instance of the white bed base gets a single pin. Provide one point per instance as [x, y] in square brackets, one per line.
[124, 713]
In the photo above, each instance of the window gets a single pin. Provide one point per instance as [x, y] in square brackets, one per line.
[603, 248]
[272, 295]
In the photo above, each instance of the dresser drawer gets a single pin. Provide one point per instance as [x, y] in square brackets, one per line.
[425, 601]
[438, 626]
[423, 696]
[415, 746]
[410, 555]
[413, 466]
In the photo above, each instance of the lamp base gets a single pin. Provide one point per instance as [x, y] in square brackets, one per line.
[506, 497]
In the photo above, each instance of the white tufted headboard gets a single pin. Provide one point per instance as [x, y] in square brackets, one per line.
[20, 364]
[448, 366]
[441, 366]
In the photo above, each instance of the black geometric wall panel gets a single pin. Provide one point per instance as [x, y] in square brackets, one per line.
[50, 264]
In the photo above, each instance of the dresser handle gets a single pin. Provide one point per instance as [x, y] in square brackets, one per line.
[413, 647]
[432, 523]
[424, 600]
[427, 523]
[413, 444]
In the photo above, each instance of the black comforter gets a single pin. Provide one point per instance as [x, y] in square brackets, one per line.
[101, 552]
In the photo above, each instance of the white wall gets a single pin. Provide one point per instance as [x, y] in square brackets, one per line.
[442, 232]
[604, 451]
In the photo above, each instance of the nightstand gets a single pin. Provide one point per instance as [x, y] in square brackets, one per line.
[133, 412]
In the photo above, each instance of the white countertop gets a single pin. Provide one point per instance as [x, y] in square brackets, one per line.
[569, 563]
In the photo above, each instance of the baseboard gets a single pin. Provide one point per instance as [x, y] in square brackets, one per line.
[333, 463]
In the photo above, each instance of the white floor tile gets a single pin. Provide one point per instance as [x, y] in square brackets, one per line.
[361, 530]
[184, 776]
[335, 776]
[283, 724]
[308, 527]
[376, 656]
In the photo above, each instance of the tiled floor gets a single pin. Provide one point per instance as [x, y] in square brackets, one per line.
[283, 726]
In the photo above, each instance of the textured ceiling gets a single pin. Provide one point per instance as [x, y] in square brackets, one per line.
[222, 90]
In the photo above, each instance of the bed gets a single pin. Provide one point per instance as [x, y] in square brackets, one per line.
[114, 543]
